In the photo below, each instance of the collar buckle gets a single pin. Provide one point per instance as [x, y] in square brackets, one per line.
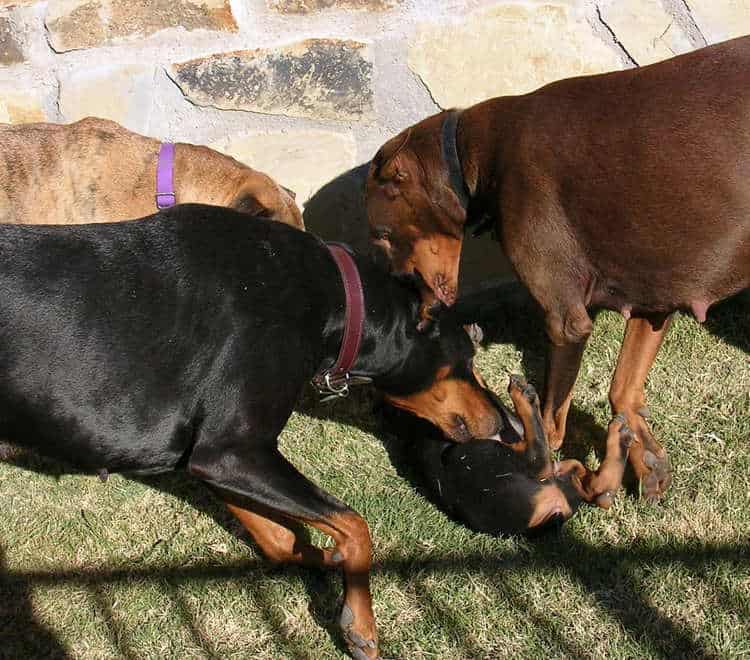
[332, 386]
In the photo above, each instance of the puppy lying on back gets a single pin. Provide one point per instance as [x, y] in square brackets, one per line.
[511, 486]
[97, 171]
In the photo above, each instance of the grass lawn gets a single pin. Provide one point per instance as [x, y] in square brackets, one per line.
[156, 569]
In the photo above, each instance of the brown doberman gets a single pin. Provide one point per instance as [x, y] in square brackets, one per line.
[627, 191]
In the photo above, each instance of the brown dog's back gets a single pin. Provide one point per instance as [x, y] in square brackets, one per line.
[97, 171]
[648, 170]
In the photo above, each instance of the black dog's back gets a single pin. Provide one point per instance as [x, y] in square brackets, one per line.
[481, 483]
[128, 322]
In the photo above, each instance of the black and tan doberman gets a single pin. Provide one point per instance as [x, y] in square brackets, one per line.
[182, 342]
[512, 486]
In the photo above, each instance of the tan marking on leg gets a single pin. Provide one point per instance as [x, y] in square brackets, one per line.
[602, 486]
[563, 364]
[279, 542]
[352, 537]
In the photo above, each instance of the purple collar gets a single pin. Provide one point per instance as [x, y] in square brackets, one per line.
[335, 382]
[165, 196]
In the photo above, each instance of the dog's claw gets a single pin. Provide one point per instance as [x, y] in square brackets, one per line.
[650, 459]
[654, 484]
[517, 381]
[354, 641]
[527, 389]
[347, 616]
[605, 500]
[627, 437]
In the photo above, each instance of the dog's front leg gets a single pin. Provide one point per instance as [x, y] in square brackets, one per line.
[281, 539]
[563, 364]
[643, 338]
[534, 445]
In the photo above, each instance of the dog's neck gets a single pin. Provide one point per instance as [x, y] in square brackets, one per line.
[449, 153]
[194, 182]
[477, 130]
[389, 334]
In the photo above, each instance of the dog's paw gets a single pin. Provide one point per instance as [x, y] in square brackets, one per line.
[648, 458]
[359, 647]
[520, 385]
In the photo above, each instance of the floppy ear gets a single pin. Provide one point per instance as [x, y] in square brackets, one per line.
[387, 166]
[250, 204]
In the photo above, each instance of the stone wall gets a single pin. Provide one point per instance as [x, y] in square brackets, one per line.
[308, 89]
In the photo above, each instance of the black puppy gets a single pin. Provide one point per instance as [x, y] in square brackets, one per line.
[511, 486]
[183, 340]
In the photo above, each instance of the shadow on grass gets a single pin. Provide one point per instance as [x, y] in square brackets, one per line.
[605, 574]
[730, 320]
[21, 635]
[323, 587]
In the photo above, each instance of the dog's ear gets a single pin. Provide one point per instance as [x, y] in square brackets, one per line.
[386, 161]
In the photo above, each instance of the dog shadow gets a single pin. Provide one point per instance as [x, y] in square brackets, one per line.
[730, 320]
[337, 212]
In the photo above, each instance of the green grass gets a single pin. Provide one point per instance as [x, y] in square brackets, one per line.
[126, 569]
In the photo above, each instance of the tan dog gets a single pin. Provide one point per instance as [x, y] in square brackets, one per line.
[97, 171]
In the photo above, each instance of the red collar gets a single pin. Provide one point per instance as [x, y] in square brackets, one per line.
[334, 382]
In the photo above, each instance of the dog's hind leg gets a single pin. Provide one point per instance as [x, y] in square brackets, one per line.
[643, 338]
[245, 471]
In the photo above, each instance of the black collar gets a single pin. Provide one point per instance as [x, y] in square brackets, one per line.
[450, 156]
[479, 221]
